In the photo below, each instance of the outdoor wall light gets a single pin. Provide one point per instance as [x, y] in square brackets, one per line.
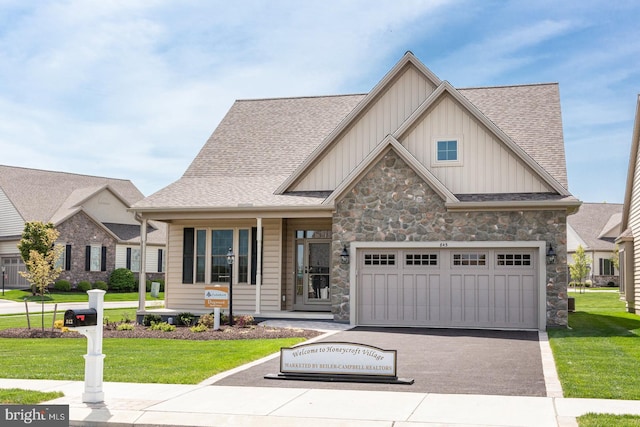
[551, 255]
[344, 255]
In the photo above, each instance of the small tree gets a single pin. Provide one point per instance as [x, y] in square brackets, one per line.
[615, 258]
[40, 255]
[580, 267]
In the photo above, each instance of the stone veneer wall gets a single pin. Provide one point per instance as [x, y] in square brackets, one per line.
[80, 231]
[393, 204]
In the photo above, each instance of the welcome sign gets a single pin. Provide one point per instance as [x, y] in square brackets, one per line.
[338, 358]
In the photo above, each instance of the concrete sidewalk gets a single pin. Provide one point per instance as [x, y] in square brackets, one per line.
[129, 404]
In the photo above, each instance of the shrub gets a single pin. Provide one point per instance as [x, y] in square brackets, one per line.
[83, 286]
[186, 319]
[99, 284]
[58, 324]
[198, 328]
[122, 280]
[125, 327]
[62, 286]
[150, 319]
[162, 326]
[206, 320]
[244, 321]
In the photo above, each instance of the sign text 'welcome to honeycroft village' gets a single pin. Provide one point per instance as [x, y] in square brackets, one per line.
[338, 358]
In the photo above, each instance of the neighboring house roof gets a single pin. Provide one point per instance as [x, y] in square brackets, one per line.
[597, 225]
[49, 196]
[128, 233]
[262, 146]
[38, 195]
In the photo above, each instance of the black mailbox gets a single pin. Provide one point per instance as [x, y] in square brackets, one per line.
[85, 317]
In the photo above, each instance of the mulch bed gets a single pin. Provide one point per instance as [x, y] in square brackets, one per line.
[181, 333]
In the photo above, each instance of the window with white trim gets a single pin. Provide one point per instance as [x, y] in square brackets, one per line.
[379, 259]
[421, 259]
[513, 260]
[447, 151]
[470, 259]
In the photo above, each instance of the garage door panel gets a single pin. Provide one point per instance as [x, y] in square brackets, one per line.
[500, 292]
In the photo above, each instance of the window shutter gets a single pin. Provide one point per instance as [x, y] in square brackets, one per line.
[103, 259]
[128, 265]
[160, 254]
[67, 257]
[187, 255]
[602, 266]
[87, 258]
[254, 253]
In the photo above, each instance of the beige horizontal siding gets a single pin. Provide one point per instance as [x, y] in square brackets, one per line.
[191, 296]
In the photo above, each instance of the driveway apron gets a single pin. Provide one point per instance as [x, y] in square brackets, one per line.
[447, 361]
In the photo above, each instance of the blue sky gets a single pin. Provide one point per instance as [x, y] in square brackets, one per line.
[132, 89]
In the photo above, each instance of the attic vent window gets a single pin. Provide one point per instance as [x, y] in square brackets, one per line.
[447, 151]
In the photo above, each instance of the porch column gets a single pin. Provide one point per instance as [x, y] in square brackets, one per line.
[142, 275]
[258, 264]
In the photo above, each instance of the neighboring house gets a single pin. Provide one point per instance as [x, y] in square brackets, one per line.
[595, 227]
[446, 201]
[91, 214]
[629, 239]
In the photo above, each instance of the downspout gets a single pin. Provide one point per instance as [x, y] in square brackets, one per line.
[142, 275]
[258, 264]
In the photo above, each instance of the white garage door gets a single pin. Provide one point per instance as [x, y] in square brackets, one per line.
[478, 288]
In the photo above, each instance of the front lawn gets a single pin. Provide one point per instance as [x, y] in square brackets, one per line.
[16, 396]
[608, 420]
[140, 360]
[599, 356]
[60, 297]
[20, 320]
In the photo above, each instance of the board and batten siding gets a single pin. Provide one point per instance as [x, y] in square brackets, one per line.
[487, 166]
[106, 207]
[383, 117]
[11, 223]
[190, 297]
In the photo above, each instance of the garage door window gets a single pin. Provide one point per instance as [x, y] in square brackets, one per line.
[514, 260]
[469, 259]
[421, 259]
[379, 259]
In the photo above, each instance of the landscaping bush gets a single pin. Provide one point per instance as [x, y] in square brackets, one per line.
[83, 286]
[99, 284]
[62, 286]
[150, 319]
[199, 328]
[125, 327]
[186, 319]
[122, 280]
[207, 320]
[244, 321]
[162, 326]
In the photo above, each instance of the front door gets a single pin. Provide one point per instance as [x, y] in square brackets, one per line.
[313, 263]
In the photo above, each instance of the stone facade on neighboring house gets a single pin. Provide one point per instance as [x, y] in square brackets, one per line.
[393, 204]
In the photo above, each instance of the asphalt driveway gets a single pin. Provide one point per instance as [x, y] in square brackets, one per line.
[447, 361]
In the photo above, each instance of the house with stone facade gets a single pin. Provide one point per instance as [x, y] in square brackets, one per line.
[416, 204]
[91, 213]
[595, 227]
[629, 239]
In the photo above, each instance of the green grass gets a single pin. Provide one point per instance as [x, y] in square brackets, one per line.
[599, 356]
[608, 420]
[20, 320]
[60, 297]
[16, 396]
[141, 360]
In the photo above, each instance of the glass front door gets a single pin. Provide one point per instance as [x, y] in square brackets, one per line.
[313, 263]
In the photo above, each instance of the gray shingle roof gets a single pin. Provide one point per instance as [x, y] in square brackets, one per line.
[594, 219]
[260, 143]
[39, 194]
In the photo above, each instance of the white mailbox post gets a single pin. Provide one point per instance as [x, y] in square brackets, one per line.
[89, 324]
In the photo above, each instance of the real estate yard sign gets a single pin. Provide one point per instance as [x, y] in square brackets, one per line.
[216, 296]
